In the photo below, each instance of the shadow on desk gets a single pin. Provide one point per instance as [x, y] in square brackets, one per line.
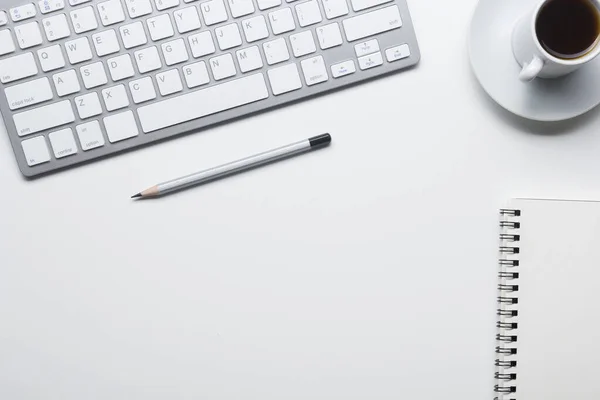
[529, 126]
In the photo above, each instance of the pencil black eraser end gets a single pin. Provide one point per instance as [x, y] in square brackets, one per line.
[321, 140]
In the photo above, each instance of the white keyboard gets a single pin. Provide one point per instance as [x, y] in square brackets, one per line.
[80, 79]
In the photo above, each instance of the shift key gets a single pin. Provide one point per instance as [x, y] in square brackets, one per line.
[40, 119]
[372, 23]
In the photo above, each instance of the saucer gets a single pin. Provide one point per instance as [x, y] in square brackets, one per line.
[497, 70]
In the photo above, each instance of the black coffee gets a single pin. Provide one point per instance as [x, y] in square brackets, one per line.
[568, 29]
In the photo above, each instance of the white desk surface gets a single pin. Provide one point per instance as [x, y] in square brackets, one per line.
[362, 271]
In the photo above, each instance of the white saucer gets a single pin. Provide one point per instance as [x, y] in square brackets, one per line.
[497, 70]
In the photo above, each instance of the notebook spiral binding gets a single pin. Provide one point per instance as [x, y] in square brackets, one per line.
[508, 300]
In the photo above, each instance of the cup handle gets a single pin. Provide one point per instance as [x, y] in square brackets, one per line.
[531, 69]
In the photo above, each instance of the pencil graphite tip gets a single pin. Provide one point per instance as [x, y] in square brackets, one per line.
[135, 196]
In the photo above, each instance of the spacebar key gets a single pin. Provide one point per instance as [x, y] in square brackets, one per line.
[203, 102]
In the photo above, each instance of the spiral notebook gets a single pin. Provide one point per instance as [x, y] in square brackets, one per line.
[548, 329]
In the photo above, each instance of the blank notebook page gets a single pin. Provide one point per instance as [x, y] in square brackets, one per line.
[558, 334]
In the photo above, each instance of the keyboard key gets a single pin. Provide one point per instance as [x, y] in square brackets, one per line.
[335, 8]
[255, 28]
[35, 150]
[51, 58]
[187, 19]
[56, 27]
[228, 36]
[175, 52]
[284, 79]
[213, 12]
[282, 21]
[88, 105]
[42, 118]
[48, 6]
[120, 126]
[28, 94]
[93, 75]
[133, 35]
[142, 90]
[164, 4]
[23, 12]
[115, 98]
[147, 59]
[201, 44]
[111, 12]
[368, 47]
[7, 45]
[358, 5]
[63, 143]
[90, 135]
[397, 53]
[120, 67]
[160, 27]
[370, 61]
[240, 8]
[77, 2]
[343, 69]
[3, 18]
[78, 50]
[249, 59]
[66, 83]
[203, 102]
[17, 67]
[276, 51]
[372, 23]
[329, 36]
[309, 13]
[314, 70]
[266, 4]
[196, 74]
[106, 43]
[222, 66]
[169, 82]
[138, 8]
[303, 43]
[84, 20]
[28, 35]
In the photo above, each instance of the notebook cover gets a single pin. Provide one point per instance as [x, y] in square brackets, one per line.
[548, 330]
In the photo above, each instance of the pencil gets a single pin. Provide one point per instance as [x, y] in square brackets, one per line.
[234, 167]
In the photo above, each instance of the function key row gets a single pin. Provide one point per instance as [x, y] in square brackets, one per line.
[111, 11]
[29, 10]
[23, 12]
[48, 6]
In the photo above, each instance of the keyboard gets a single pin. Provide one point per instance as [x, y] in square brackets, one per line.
[82, 79]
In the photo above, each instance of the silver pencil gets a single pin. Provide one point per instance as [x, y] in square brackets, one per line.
[244, 164]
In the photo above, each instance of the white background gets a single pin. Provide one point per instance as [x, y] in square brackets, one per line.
[365, 270]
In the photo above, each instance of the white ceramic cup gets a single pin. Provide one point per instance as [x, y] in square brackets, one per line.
[531, 56]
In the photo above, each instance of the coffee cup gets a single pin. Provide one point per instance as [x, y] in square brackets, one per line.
[556, 38]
